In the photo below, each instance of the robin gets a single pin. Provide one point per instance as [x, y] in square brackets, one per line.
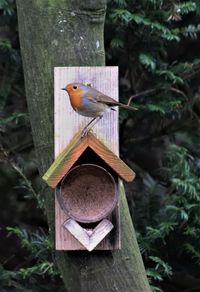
[89, 102]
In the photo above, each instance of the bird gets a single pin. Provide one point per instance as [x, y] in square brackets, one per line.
[89, 102]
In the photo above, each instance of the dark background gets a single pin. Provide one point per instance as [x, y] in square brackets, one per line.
[156, 46]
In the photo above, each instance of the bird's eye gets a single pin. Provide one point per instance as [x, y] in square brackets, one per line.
[75, 87]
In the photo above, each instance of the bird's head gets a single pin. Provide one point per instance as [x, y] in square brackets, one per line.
[76, 88]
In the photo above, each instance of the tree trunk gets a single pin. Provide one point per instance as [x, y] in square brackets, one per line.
[70, 33]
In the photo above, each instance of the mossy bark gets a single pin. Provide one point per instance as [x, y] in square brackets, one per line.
[70, 33]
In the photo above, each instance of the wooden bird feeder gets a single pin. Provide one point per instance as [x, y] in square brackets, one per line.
[85, 172]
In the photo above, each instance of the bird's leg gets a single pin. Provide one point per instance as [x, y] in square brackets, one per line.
[87, 128]
[90, 125]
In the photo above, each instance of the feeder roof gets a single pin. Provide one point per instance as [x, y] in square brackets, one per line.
[75, 149]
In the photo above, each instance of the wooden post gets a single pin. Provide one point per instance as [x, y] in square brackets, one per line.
[67, 122]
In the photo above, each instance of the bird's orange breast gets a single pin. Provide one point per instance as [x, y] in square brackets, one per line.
[76, 100]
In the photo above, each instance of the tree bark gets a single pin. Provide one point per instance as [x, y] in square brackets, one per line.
[70, 33]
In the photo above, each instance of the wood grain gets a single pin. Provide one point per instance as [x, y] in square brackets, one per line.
[65, 240]
[123, 171]
[65, 160]
[89, 238]
[67, 122]
[73, 151]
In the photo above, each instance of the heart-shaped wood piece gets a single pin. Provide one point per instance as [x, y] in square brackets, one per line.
[89, 238]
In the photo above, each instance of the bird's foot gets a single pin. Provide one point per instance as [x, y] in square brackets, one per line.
[85, 132]
[90, 125]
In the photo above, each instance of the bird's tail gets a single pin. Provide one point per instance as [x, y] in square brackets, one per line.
[128, 107]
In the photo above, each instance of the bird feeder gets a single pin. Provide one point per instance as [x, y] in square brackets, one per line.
[85, 173]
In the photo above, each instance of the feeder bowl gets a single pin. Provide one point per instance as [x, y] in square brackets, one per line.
[88, 193]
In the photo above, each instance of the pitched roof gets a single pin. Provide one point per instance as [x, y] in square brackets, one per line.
[74, 150]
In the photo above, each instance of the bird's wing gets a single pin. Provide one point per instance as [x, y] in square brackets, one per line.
[97, 96]
[107, 100]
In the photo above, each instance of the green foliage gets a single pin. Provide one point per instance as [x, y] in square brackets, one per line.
[39, 268]
[157, 56]
[161, 269]
[8, 7]
[191, 31]
[144, 34]
[5, 44]
[15, 117]
[148, 61]
[183, 206]
[193, 251]
[185, 7]
[179, 217]
[37, 243]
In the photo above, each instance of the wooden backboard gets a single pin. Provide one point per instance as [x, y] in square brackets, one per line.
[67, 122]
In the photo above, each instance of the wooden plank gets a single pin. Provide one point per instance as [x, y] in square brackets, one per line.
[73, 151]
[89, 238]
[99, 233]
[111, 159]
[78, 232]
[67, 122]
[65, 160]
[65, 241]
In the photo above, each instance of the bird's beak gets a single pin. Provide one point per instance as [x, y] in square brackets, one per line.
[63, 89]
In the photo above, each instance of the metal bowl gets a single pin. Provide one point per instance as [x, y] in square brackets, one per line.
[88, 193]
